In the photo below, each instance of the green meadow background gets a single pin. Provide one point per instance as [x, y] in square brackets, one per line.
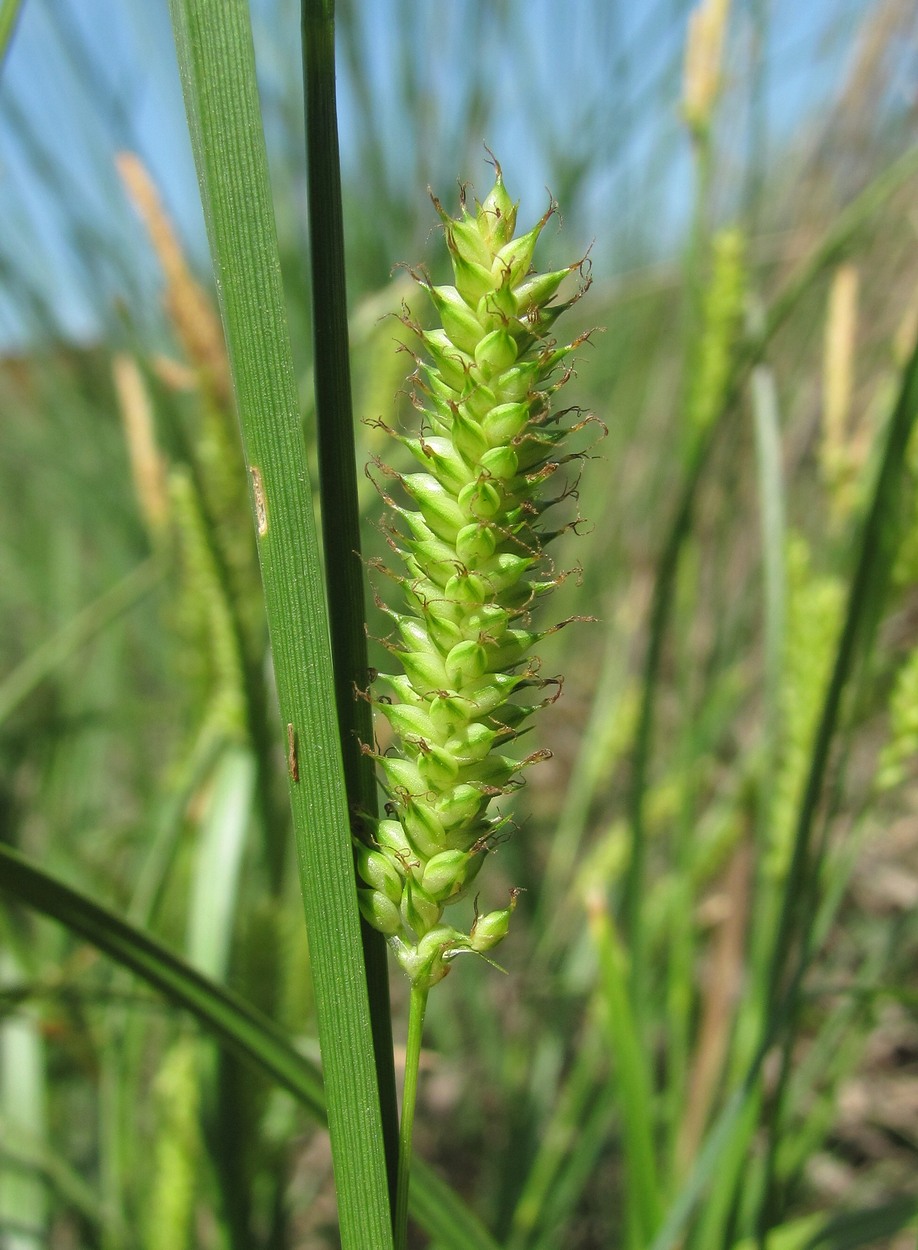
[703, 1029]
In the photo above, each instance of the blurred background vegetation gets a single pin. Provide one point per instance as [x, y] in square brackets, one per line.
[139, 754]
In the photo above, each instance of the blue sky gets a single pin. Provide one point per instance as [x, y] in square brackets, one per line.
[86, 77]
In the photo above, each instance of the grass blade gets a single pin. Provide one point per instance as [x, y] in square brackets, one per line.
[219, 863]
[23, 1190]
[235, 1024]
[851, 1230]
[773, 542]
[216, 58]
[632, 1077]
[877, 548]
[77, 632]
[238, 1026]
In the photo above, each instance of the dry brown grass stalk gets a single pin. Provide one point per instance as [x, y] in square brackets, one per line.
[148, 468]
[187, 305]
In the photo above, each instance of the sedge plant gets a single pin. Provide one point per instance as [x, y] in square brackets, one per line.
[472, 537]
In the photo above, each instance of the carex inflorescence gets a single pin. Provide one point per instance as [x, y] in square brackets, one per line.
[471, 539]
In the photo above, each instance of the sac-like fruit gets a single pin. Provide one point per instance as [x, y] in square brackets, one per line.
[468, 533]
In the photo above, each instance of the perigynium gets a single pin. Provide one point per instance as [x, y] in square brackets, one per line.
[470, 534]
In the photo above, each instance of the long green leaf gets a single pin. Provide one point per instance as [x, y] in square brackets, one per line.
[877, 548]
[217, 63]
[851, 1230]
[878, 543]
[231, 1020]
[236, 1024]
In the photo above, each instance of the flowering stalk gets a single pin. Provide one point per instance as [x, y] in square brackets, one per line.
[471, 540]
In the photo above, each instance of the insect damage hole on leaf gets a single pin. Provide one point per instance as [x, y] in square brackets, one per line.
[261, 504]
[293, 763]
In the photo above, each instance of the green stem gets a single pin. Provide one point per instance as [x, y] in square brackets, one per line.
[334, 410]
[344, 573]
[409, 1100]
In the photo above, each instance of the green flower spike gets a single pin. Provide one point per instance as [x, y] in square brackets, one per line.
[469, 535]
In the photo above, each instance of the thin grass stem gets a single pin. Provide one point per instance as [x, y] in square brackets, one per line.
[561, 1135]
[417, 1011]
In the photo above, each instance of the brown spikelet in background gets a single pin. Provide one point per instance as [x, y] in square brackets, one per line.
[148, 468]
[187, 305]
